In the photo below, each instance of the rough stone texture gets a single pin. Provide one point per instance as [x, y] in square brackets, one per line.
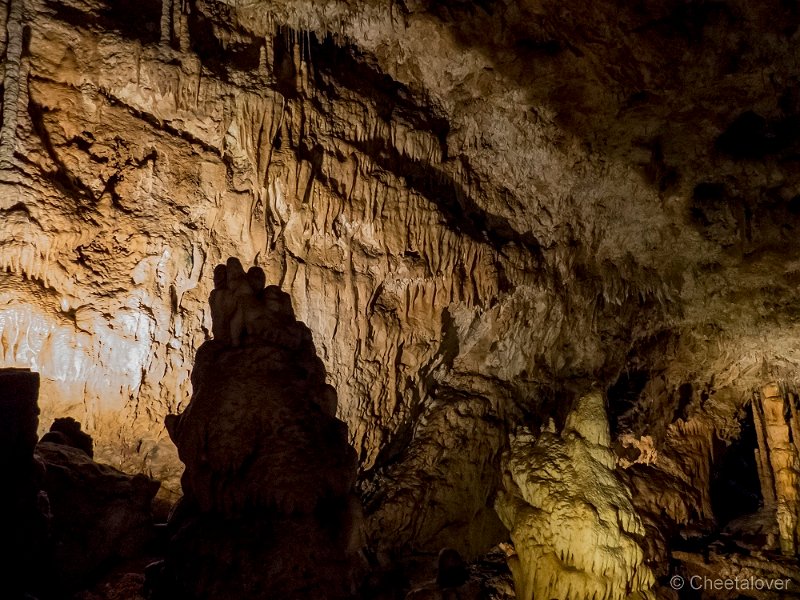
[100, 514]
[268, 509]
[573, 523]
[480, 209]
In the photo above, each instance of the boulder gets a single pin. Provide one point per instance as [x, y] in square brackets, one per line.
[100, 514]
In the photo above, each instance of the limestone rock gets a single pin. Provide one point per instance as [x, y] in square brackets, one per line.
[778, 460]
[67, 431]
[99, 513]
[477, 208]
[572, 521]
[268, 508]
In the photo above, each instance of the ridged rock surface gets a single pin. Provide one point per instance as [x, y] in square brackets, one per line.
[572, 521]
[480, 210]
[268, 507]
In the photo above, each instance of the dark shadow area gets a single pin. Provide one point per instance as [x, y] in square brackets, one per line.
[236, 53]
[133, 19]
[622, 398]
[67, 521]
[735, 488]
[268, 507]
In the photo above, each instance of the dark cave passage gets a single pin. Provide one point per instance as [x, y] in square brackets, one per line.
[735, 488]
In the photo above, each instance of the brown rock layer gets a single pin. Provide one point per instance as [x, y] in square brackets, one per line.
[268, 509]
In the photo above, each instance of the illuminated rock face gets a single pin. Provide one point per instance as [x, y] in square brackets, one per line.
[429, 295]
[475, 208]
[572, 521]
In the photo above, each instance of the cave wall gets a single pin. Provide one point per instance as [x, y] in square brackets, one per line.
[477, 215]
[139, 159]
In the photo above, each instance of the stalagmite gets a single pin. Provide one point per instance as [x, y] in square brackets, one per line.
[476, 208]
[572, 522]
[765, 475]
[268, 507]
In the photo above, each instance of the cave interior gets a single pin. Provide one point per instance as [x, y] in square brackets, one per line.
[407, 300]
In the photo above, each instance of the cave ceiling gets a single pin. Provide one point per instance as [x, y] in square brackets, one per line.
[484, 203]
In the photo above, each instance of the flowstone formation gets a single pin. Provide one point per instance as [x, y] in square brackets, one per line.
[775, 414]
[268, 509]
[575, 530]
[476, 207]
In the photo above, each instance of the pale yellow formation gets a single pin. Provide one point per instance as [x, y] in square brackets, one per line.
[571, 519]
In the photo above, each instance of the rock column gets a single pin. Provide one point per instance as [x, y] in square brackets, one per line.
[22, 522]
[575, 530]
[268, 510]
[778, 460]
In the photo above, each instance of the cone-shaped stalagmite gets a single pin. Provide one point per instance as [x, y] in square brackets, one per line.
[268, 509]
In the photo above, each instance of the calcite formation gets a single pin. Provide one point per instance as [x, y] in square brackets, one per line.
[778, 460]
[268, 509]
[477, 208]
[574, 527]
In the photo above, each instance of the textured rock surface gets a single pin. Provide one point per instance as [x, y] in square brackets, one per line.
[573, 523]
[480, 209]
[100, 515]
[268, 509]
[779, 457]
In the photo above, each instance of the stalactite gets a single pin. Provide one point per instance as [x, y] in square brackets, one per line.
[4, 13]
[762, 456]
[166, 22]
[180, 24]
[12, 83]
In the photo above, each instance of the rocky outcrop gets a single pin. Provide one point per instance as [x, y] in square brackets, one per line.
[23, 506]
[65, 517]
[475, 207]
[99, 514]
[778, 460]
[572, 521]
[268, 509]
[67, 431]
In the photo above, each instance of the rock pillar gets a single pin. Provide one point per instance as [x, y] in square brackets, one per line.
[778, 460]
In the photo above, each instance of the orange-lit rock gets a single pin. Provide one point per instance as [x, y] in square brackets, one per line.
[477, 208]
